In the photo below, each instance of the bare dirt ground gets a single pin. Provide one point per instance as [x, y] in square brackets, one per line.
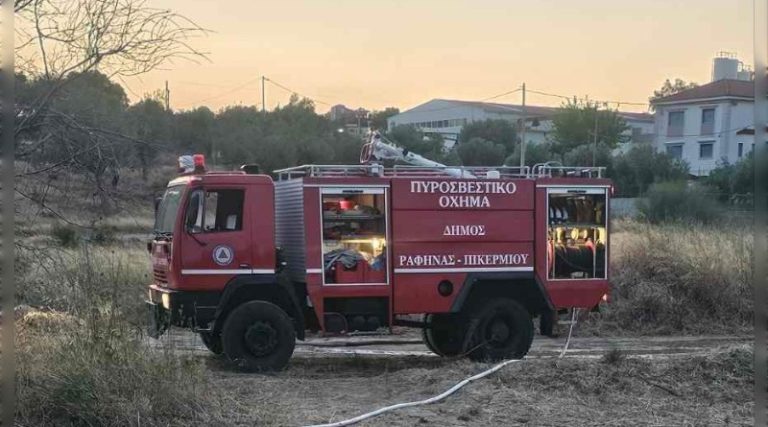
[702, 380]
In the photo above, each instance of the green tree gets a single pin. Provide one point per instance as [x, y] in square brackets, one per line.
[149, 122]
[481, 152]
[575, 124]
[497, 131]
[379, 118]
[729, 179]
[670, 88]
[93, 99]
[193, 131]
[412, 139]
[642, 166]
[534, 153]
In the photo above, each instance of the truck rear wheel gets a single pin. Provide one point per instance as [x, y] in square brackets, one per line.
[258, 336]
[443, 334]
[212, 342]
[500, 329]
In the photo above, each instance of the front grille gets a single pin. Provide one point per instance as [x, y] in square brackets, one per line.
[160, 275]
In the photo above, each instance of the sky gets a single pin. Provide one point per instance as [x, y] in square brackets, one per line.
[380, 53]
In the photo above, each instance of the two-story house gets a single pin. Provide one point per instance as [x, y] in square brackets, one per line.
[704, 126]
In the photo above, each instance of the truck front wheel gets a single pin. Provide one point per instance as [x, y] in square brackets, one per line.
[212, 342]
[499, 329]
[258, 336]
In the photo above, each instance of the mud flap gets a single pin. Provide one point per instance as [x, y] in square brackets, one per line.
[158, 320]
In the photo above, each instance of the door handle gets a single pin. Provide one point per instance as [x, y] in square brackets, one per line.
[245, 265]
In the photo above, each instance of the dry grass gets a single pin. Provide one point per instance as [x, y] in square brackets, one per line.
[87, 277]
[680, 278]
[615, 391]
[69, 373]
[85, 361]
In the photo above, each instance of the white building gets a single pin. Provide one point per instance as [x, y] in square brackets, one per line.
[447, 117]
[707, 125]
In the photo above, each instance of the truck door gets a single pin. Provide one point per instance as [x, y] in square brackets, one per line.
[216, 244]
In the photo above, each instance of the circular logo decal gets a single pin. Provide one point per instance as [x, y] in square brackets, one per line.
[223, 255]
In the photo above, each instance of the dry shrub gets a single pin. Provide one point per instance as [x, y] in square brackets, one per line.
[87, 363]
[68, 374]
[681, 278]
[87, 279]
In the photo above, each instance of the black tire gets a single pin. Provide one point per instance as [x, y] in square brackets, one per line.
[258, 336]
[499, 329]
[444, 334]
[212, 342]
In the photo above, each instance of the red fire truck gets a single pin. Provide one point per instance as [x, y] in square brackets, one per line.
[469, 255]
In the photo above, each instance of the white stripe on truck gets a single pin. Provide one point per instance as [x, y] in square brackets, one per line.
[228, 271]
[462, 270]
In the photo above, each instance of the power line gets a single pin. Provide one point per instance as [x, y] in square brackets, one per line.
[502, 94]
[317, 101]
[234, 89]
[644, 104]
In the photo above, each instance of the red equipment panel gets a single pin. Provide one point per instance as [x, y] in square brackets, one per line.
[444, 229]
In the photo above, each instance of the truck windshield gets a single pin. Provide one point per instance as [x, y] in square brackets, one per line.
[166, 211]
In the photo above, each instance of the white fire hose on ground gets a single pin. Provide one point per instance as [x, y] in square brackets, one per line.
[448, 392]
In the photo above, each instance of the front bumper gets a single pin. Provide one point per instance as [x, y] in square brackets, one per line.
[169, 307]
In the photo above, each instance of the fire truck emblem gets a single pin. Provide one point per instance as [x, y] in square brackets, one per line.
[223, 255]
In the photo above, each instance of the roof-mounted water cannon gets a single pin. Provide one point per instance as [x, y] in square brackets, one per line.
[379, 148]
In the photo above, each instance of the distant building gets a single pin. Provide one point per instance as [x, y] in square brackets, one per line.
[710, 124]
[354, 122]
[447, 117]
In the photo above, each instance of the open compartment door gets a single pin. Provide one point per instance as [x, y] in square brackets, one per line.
[577, 238]
[354, 234]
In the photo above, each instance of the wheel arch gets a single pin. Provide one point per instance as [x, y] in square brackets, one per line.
[523, 287]
[274, 288]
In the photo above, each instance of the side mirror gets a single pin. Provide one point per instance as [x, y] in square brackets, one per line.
[194, 229]
[157, 203]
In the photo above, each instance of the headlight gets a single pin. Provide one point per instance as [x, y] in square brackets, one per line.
[166, 300]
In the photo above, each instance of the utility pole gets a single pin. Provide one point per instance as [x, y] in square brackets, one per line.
[167, 97]
[522, 134]
[263, 97]
[594, 137]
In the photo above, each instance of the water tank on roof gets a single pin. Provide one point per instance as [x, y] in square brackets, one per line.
[725, 66]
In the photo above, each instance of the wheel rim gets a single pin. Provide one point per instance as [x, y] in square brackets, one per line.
[261, 338]
[499, 331]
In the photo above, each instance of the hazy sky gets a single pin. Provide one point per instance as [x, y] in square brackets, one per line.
[379, 53]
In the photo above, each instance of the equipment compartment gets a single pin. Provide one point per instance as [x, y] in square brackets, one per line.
[354, 235]
[576, 233]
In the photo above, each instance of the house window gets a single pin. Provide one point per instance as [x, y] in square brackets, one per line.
[741, 149]
[675, 151]
[675, 123]
[707, 121]
[706, 150]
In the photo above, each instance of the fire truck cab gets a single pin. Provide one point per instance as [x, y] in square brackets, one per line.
[469, 255]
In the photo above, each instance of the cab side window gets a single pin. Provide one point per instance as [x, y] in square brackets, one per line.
[223, 210]
[217, 210]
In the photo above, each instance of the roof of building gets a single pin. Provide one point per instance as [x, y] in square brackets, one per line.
[531, 111]
[749, 130]
[493, 107]
[636, 116]
[717, 89]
